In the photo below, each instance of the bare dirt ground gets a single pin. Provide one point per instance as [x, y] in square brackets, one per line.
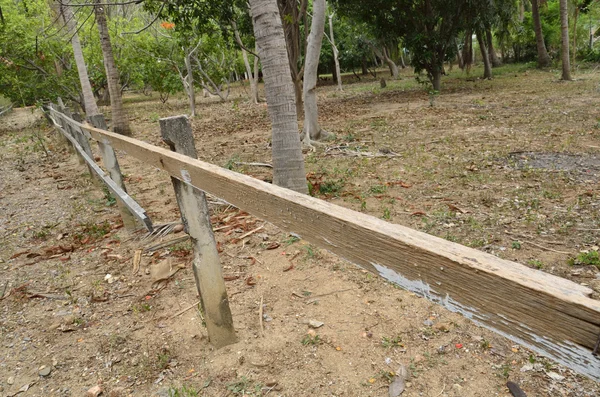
[509, 166]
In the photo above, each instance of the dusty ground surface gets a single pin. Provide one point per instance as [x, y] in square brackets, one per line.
[509, 166]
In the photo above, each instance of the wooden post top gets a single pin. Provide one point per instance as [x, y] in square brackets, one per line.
[177, 132]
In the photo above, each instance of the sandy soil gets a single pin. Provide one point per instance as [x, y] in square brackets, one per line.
[518, 156]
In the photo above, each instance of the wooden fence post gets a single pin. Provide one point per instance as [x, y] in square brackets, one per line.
[177, 133]
[109, 158]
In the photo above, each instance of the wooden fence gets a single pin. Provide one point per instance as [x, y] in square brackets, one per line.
[547, 314]
[5, 109]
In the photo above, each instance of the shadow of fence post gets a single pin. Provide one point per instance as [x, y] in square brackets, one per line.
[177, 133]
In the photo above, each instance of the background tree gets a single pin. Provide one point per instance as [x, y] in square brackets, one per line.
[312, 129]
[288, 162]
[564, 19]
[89, 102]
[543, 57]
[120, 125]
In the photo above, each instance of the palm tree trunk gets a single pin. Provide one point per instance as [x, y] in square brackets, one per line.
[120, 124]
[288, 162]
[564, 30]
[89, 102]
[543, 57]
[312, 129]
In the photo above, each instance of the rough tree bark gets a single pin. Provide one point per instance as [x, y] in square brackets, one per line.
[288, 162]
[575, 18]
[564, 30]
[543, 57]
[312, 129]
[89, 102]
[120, 124]
[487, 66]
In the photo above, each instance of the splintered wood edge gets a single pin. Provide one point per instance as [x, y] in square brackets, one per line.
[554, 297]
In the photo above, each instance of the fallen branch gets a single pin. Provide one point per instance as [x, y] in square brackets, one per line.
[260, 317]
[183, 310]
[166, 244]
[546, 248]
[254, 164]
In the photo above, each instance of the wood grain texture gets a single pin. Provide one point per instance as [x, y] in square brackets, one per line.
[553, 316]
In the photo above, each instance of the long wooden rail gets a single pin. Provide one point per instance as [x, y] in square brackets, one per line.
[550, 315]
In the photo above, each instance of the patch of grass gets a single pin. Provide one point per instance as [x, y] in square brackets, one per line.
[387, 215]
[108, 197]
[378, 189]
[516, 245]
[245, 387]
[183, 391]
[162, 358]
[538, 264]
[230, 164]
[590, 258]
[311, 340]
[311, 252]
[291, 240]
[390, 342]
[93, 230]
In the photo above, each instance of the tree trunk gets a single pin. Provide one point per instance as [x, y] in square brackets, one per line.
[459, 57]
[490, 46]
[336, 58]
[363, 66]
[189, 82]
[119, 121]
[288, 162]
[564, 30]
[467, 51]
[253, 85]
[487, 66]
[402, 63]
[393, 67]
[436, 79]
[543, 57]
[312, 129]
[575, 18]
[89, 102]
[290, 16]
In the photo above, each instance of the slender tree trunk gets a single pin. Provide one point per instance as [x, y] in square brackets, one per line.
[363, 66]
[290, 15]
[436, 79]
[253, 85]
[312, 129]
[564, 30]
[89, 102]
[119, 121]
[490, 46]
[402, 63]
[393, 67]
[575, 18]
[459, 56]
[189, 81]
[467, 50]
[336, 58]
[255, 77]
[288, 162]
[543, 57]
[487, 65]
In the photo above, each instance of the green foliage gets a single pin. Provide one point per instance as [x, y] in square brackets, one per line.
[590, 258]
[245, 387]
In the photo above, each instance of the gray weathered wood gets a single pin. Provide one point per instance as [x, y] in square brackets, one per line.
[109, 159]
[177, 133]
[134, 208]
[550, 315]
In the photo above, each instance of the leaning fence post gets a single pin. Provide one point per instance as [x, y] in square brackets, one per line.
[109, 158]
[177, 133]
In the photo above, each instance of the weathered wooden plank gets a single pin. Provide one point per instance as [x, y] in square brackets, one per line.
[111, 163]
[550, 315]
[115, 189]
[177, 133]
